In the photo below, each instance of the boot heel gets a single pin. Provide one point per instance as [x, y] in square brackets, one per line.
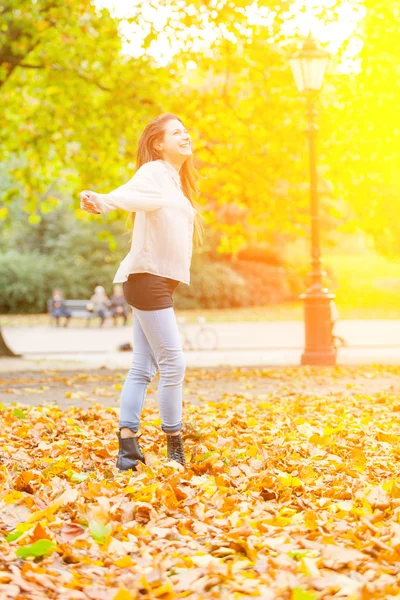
[175, 449]
[129, 453]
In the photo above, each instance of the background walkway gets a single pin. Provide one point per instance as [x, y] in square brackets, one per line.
[240, 343]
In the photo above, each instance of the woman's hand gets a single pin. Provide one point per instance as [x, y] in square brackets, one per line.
[87, 204]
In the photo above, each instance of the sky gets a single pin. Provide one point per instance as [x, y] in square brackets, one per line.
[331, 35]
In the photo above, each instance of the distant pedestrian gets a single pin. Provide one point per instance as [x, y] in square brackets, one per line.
[161, 194]
[57, 308]
[118, 305]
[337, 340]
[99, 304]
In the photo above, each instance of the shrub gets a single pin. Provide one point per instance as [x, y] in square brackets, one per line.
[259, 254]
[298, 278]
[24, 282]
[266, 284]
[212, 285]
[28, 279]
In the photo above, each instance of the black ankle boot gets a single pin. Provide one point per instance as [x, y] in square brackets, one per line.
[129, 453]
[175, 448]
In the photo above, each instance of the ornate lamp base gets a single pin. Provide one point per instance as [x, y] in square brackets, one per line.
[319, 347]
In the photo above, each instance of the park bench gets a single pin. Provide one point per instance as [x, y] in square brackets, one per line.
[78, 310]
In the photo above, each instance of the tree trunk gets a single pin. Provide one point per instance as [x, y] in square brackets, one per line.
[4, 349]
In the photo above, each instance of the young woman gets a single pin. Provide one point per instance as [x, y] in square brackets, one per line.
[161, 193]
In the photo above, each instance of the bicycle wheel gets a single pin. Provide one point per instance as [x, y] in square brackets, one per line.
[185, 340]
[207, 338]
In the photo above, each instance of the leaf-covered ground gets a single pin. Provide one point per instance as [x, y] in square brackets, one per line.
[292, 489]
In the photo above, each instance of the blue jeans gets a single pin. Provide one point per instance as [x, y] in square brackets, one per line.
[156, 345]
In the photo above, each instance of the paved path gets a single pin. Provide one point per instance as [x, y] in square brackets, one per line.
[231, 336]
[240, 344]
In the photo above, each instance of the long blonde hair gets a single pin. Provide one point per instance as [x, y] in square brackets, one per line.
[152, 134]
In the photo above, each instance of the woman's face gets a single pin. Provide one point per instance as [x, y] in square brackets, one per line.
[176, 145]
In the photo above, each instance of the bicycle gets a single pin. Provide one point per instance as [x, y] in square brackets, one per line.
[205, 338]
[338, 342]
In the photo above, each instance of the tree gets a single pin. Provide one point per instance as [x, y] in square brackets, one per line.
[362, 125]
[247, 116]
[73, 104]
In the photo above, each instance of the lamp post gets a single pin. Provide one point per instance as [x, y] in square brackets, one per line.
[308, 67]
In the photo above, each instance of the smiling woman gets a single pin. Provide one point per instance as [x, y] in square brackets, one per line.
[161, 193]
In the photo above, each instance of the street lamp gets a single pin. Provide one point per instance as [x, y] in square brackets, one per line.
[308, 67]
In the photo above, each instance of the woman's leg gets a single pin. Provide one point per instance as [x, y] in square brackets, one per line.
[161, 330]
[142, 371]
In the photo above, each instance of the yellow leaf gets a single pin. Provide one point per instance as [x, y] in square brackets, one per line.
[252, 451]
[125, 561]
[166, 588]
[357, 455]
[320, 440]
[279, 522]
[13, 497]
[307, 473]
[123, 594]
[310, 520]
[392, 487]
[264, 405]
[390, 438]
[290, 481]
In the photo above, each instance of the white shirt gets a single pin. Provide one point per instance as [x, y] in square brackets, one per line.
[163, 228]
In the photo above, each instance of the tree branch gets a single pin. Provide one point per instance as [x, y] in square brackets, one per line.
[104, 88]
[26, 66]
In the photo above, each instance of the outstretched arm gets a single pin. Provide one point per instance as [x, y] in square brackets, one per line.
[142, 192]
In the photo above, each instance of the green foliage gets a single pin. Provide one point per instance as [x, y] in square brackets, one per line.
[27, 280]
[14, 536]
[37, 549]
[75, 106]
[361, 125]
[19, 413]
[72, 102]
[59, 251]
[240, 104]
[99, 531]
[367, 282]
[211, 285]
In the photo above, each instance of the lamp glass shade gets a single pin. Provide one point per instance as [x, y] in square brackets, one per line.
[309, 67]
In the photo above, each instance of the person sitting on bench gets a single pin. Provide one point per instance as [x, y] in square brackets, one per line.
[118, 305]
[99, 303]
[57, 308]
